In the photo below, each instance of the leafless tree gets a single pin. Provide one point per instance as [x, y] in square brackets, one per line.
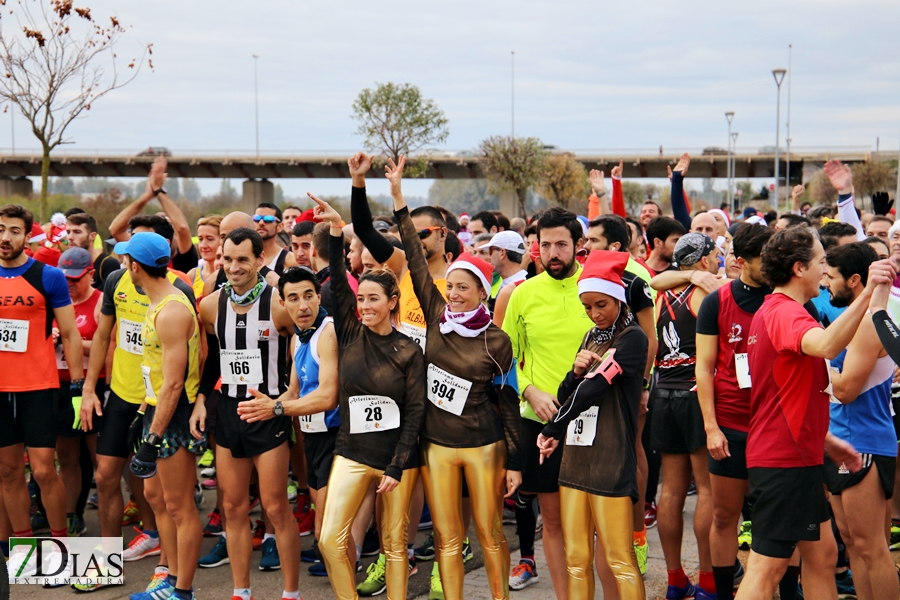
[57, 60]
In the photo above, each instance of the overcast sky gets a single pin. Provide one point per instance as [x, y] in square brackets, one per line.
[589, 75]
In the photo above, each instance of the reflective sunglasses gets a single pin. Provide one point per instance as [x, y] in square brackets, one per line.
[424, 233]
[265, 219]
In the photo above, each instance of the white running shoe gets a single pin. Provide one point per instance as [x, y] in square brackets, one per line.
[141, 547]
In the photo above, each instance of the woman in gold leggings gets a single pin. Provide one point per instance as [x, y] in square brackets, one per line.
[468, 359]
[381, 401]
[598, 475]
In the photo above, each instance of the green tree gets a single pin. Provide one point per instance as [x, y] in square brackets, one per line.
[565, 182]
[279, 194]
[191, 190]
[462, 195]
[395, 119]
[515, 164]
[53, 56]
[634, 195]
[871, 177]
[62, 185]
[226, 190]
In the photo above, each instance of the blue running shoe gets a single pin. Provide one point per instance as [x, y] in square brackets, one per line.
[425, 522]
[845, 587]
[269, 560]
[702, 594]
[217, 557]
[163, 590]
[679, 593]
[312, 555]
[738, 572]
[318, 570]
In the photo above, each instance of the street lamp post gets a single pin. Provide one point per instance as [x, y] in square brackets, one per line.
[734, 137]
[512, 54]
[778, 74]
[787, 177]
[730, 116]
[256, 102]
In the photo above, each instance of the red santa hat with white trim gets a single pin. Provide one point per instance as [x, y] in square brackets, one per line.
[603, 273]
[477, 266]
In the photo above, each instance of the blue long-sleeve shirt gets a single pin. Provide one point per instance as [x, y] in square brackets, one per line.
[679, 207]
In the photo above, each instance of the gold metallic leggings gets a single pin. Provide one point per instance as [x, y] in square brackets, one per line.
[582, 513]
[442, 471]
[347, 486]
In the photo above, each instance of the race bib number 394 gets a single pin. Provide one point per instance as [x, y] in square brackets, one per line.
[369, 414]
[446, 391]
[13, 335]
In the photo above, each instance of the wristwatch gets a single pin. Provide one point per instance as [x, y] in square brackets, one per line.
[153, 439]
[161, 190]
[278, 409]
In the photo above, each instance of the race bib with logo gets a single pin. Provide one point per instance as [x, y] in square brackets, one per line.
[314, 423]
[61, 363]
[447, 392]
[369, 414]
[13, 335]
[417, 334]
[742, 369]
[130, 336]
[148, 387]
[241, 367]
[581, 430]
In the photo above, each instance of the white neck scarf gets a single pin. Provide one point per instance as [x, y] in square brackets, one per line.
[467, 324]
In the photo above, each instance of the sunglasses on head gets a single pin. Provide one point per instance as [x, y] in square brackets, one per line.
[424, 233]
[265, 219]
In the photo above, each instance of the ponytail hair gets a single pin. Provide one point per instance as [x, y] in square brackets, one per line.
[386, 278]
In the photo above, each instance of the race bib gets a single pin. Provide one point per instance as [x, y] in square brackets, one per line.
[131, 336]
[581, 430]
[830, 389]
[148, 387]
[13, 335]
[241, 367]
[61, 363]
[373, 413]
[742, 369]
[447, 391]
[416, 333]
[314, 423]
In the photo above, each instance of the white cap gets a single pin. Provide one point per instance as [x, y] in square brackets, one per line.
[509, 241]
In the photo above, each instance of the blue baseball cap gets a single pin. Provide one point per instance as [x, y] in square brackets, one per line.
[147, 248]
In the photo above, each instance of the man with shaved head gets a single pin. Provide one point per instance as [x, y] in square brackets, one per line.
[706, 224]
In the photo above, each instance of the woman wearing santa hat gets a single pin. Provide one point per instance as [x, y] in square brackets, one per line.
[598, 421]
[469, 362]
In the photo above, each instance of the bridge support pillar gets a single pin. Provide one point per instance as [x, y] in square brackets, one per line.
[509, 204]
[18, 186]
[256, 191]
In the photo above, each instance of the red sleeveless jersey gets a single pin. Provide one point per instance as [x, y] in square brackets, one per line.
[30, 366]
[87, 326]
[732, 402]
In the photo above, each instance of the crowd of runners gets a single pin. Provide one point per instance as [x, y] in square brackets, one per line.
[361, 377]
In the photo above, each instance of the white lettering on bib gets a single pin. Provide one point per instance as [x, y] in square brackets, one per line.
[582, 429]
[131, 336]
[13, 335]
[742, 369]
[447, 391]
[241, 367]
[148, 387]
[314, 423]
[373, 413]
[416, 333]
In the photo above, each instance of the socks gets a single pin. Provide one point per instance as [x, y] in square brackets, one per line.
[153, 533]
[707, 581]
[286, 595]
[268, 536]
[640, 537]
[24, 533]
[409, 551]
[724, 580]
[182, 594]
[59, 533]
[678, 578]
[161, 569]
[243, 594]
[787, 587]
[172, 579]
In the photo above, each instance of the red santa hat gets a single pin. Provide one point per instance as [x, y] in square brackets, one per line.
[603, 273]
[37, 234]
[58, 227]
[479, 267]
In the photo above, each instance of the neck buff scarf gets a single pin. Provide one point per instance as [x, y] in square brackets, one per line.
[603, 336]
[250, 296]
[306, 335]
[467, 324]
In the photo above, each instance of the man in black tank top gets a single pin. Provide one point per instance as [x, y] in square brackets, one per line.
[269, 227]
[677, 428]
[247, 331]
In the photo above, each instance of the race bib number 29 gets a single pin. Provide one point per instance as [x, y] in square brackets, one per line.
[369, 414]
[583, 428]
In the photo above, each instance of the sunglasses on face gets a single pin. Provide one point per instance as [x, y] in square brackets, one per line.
[424, 233]
[265, 219]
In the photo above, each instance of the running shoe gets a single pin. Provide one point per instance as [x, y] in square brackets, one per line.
[209, 484]
[371, 544]
[141, 547]
[426, 550]
[436, 591]
[80, 585]
[206, 460]
[39, 523]
[302, 504]
[92, 501]
[307, 522]
[292, 490]
[413, 568]
[640, 551]
[208, 473]
[217, 557]
[745, 536]
[845, 587]
[318, 570]
[160, 574]
[678, 593]
[895, 536]
[738, 572]
[270, 560]
[538, 524]
[254, 501]
[312, 555]
[649, 514]
[213, 525]
[374, 583]
[425, 522]
[131, 514]
[467, 551]
[509, 511]
[161, 590]
[77, 526]
[523, 575]
[198, 496]
[702, 594]
[259, 533]
[692, 491]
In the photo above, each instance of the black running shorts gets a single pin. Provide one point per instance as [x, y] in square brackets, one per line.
[246, 440]
[789, 508]
[319, 449]
[178, 434]
[734, 466]
[112, 431]
[65, 412]
[538, 478]
[28, 418]
[677, 423]
[839, 479]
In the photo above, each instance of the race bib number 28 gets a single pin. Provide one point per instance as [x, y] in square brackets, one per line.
[369, 414]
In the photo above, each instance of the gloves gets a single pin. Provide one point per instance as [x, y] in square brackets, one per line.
[75, 387]
[134, 432]
[143, 463]
[881, 203]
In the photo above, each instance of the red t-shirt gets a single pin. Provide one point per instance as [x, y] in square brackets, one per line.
[788, 400]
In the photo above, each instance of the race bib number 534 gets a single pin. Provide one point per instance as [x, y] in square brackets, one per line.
[13, 335]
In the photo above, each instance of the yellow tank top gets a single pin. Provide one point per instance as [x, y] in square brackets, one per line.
[131, 311]
[151, 367]
[412, 321]
[197, 283]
